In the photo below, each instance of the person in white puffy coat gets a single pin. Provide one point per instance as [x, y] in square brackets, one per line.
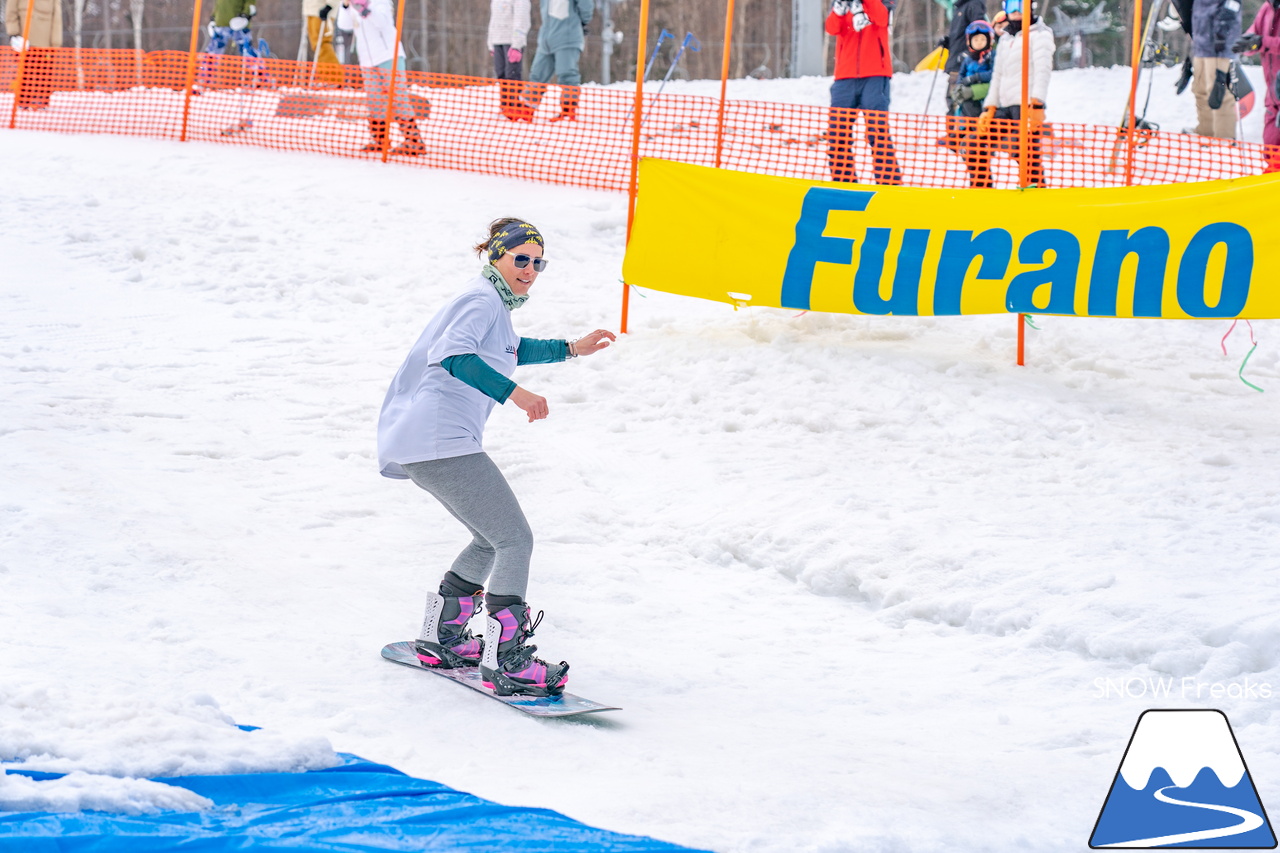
[374, 25]
[1004, 98]
[509, 22]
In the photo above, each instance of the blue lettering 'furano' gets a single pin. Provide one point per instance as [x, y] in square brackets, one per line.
[993, 249]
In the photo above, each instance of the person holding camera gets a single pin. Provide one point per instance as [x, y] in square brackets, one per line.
[863, 72]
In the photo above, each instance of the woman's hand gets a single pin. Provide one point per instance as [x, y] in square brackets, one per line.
[593, 342]
[531, 403]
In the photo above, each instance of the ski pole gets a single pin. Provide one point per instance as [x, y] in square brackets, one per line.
[932, 83]
[315, 61]
[653, 57]
[691, 42]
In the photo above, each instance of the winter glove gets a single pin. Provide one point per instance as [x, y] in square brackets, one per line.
[1247, 43]
[253, 10]
[324, 12]
[984, 121]
[1184, 78]
[238, 23]
[18, 43]
[860, 19]
[1221, 83]
[514, 55]
[961, 93]
[1035, 115]
[943, 42]
[840, 7]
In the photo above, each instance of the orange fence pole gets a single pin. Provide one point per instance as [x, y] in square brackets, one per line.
[724, 80]
[391, 89]
[1024, 117]
[1138, 47]
[642, 47]
[191, 70]
[1024, 142]
[22, 62]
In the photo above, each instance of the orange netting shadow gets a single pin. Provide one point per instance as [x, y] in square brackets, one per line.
[465, 125]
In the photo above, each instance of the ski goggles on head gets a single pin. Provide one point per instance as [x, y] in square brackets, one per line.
[522, 261]
[1013, 7]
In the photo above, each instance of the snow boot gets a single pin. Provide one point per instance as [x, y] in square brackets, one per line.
[413, 145]
[377, 129]
[446, 641]
[508, 666]
[568, 109]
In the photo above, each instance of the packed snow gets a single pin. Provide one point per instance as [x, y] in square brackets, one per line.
[859, 583]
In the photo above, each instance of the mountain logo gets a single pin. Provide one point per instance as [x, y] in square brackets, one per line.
[1183, 783]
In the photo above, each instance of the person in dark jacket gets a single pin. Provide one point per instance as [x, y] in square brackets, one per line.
[1215, 27]
[863, 72]
[955, 41]
[973, 80]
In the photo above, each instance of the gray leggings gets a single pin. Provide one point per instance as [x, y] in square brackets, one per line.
[475, 492]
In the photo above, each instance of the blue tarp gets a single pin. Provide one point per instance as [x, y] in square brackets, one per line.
[356, 806]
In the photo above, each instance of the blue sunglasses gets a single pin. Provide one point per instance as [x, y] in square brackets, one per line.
[522, 261]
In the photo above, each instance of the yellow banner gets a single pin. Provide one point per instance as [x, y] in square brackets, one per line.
[1182, 251]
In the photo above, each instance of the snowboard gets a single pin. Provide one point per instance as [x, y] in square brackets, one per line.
[564, 705]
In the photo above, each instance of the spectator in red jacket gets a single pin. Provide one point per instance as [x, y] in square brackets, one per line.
[863, 71]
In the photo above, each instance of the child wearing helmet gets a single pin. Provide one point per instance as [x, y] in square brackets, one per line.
[974, 68]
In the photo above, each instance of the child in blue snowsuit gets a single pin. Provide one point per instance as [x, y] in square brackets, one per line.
[976, 62]
[969, 90]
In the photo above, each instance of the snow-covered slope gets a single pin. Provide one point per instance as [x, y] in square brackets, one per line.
[859, 583]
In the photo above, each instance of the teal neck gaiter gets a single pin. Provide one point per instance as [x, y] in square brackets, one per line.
[499, 283]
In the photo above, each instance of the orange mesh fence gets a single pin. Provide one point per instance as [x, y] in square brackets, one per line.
[473, 124]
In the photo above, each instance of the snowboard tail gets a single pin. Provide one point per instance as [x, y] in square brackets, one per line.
[563, 705]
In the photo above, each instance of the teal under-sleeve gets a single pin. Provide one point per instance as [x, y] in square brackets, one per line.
[537, 351]
[472, 369]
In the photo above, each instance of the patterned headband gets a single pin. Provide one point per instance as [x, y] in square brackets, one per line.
[515, 234]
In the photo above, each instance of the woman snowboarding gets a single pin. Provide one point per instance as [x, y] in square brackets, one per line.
[431, 431]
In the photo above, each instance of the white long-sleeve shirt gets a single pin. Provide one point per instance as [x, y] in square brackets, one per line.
[509, 22]
[1006, 76]
[375, 33]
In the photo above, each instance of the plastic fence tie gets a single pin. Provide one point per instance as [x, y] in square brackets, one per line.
[801, 314]
[638, 291]
[1026, 318]
[1242, 365]
[1227, 335]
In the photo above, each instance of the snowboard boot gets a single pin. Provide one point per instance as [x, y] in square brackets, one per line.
[568, 108]
[508, 665]
[377, 129]
[446, 641]
[413, 145]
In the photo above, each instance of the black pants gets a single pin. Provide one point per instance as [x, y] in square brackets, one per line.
[509, 76]
[977, 151]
